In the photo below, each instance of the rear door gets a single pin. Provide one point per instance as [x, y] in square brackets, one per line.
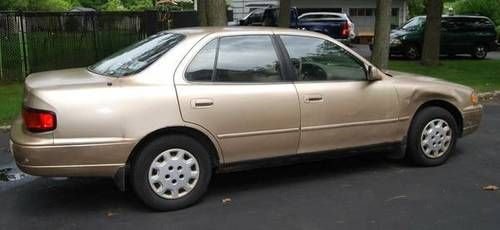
[243, 99]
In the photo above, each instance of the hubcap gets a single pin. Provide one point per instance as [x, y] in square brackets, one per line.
[412, 53]
[436, 138]
[173, 173]
[480, 52]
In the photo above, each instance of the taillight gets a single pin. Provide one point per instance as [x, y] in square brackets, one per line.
[37, 120]
[345, 30]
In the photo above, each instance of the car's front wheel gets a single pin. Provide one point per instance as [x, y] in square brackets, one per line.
[479, 52]
[432, 137]
[412, 52]
[171, 172]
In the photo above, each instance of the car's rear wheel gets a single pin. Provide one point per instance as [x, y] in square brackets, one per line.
[432, 137]
[412, 52]
[171, 172]
[479, 52]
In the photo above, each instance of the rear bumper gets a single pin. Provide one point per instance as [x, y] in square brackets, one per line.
[36, 154]
[63, 161]
[471, 119]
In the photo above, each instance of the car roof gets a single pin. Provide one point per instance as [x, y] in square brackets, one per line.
[323, 13]
[197, 31]
[457, 16]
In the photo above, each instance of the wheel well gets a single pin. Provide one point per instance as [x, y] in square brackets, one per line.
[449, 107]
[199, 136]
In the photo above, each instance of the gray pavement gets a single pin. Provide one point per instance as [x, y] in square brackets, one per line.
[364, 51]
[363, 192]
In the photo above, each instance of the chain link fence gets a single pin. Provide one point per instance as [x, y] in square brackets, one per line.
[40, 41]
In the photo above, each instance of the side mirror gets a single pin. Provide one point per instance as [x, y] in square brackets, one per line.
[374, 74]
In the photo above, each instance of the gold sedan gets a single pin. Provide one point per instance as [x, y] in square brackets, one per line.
[164, 113]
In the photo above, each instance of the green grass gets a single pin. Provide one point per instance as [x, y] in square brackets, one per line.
[482, 75]
[10, 102]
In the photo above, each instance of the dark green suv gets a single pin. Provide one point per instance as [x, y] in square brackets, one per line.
[474, 35]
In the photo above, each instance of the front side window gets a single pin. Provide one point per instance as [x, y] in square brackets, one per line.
[316, 59]
[247, 59]
[138, 56]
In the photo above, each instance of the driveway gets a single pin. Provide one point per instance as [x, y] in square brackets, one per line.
[364, 51]
[363, 192]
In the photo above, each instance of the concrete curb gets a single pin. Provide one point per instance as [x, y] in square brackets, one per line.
[5, 128]
[487, 96]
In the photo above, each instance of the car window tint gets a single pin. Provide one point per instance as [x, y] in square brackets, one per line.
[247, 59]
[202, 66]
[316, 59]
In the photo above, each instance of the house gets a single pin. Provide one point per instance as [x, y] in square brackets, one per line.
[362, 12]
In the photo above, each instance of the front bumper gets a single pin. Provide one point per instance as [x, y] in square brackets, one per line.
[471, 119]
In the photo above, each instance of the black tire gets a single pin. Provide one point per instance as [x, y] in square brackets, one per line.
[415, 152]
[479, 52]
[412, 52]
[140, 172]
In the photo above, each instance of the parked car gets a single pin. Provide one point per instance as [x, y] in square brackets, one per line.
[167, 112]
[328, 23]
[474, 35]
[335, 25]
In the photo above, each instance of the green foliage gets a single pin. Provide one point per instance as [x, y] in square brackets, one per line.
[113, 5]
[489, 8]
[105, 5]
[13, 4]
[11, 98]
[416, 7]
[42, 5]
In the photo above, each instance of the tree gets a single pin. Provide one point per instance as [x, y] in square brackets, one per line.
[202, 12]
[212, 12]
[284, 14]
[380, 54]
[432, 33]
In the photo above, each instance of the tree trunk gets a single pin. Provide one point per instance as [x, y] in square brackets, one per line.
[380, 53]
[284, 14]
[202, 12]
[432, 33]
[217, 13]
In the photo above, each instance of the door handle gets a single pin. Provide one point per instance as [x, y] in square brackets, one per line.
[313, 98]
[202, 103]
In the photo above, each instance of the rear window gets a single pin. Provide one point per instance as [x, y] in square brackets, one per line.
[138, 56]
[319, 17]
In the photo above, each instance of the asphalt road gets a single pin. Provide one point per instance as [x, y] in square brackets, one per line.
[364, 192]
[364, 51]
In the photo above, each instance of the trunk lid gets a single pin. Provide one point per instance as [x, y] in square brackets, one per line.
[64, 78]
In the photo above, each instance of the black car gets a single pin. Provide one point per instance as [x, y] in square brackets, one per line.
[474, 35]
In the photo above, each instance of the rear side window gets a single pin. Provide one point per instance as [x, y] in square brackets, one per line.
[247, 59]
[202, 66]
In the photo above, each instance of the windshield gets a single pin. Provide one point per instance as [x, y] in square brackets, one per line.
[138, 56]
[414, 24]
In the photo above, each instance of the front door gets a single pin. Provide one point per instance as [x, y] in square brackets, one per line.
[243, 100]
[340, 108]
